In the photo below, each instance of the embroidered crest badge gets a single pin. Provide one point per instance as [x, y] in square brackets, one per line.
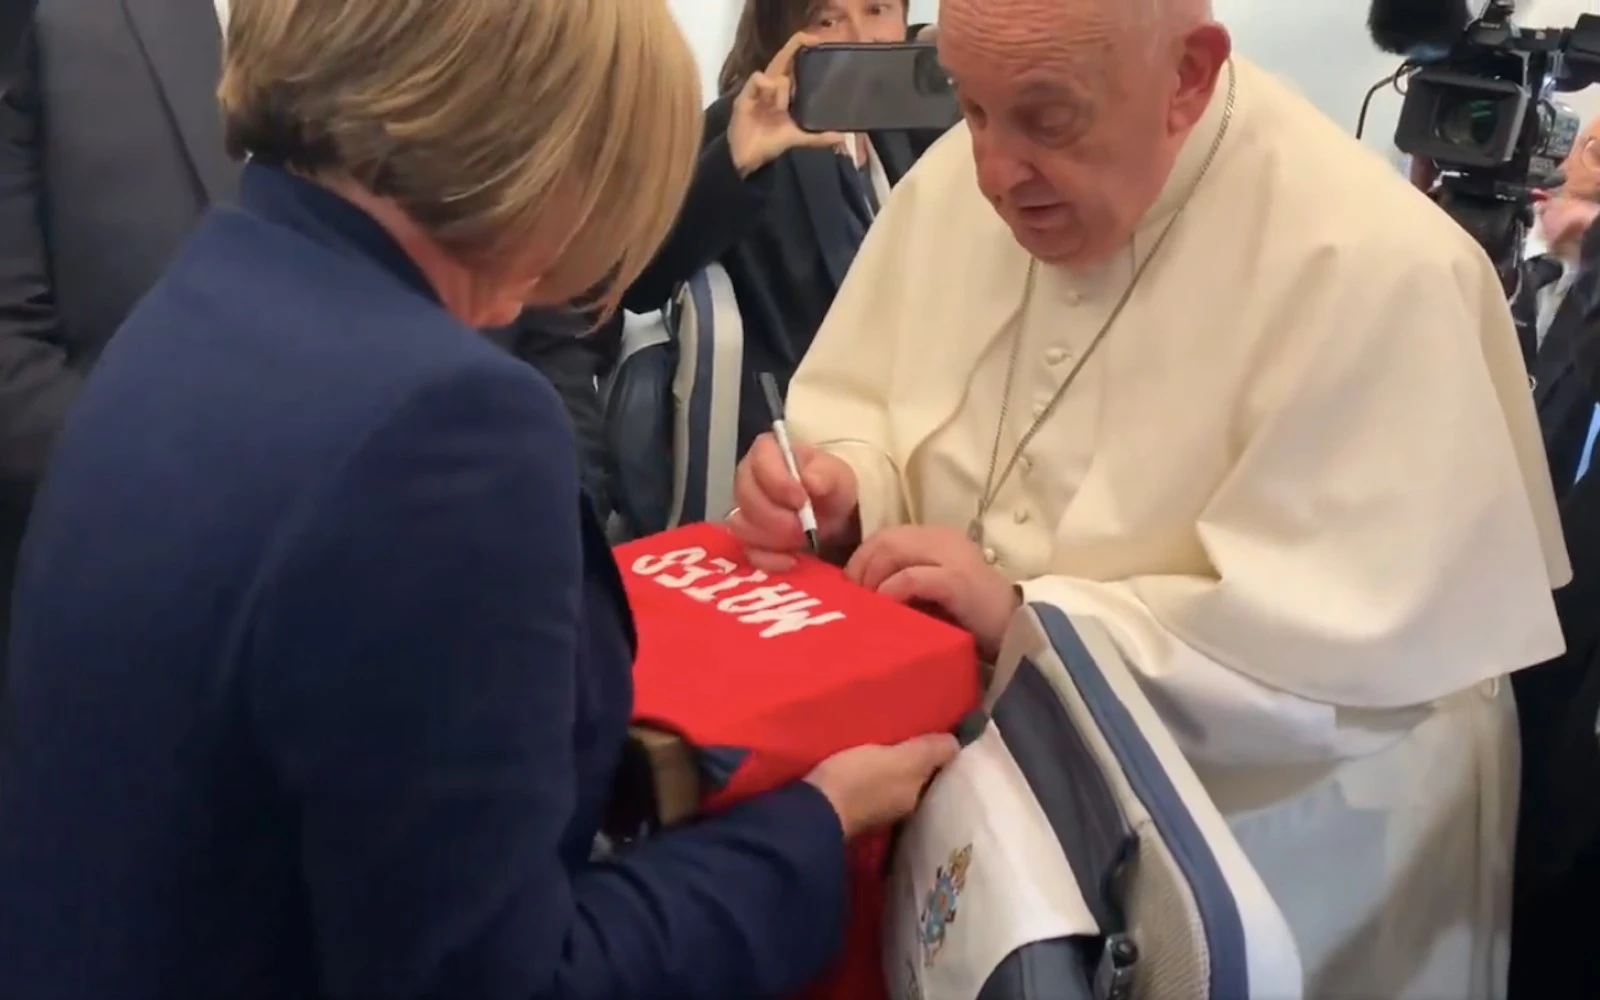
[939, 906]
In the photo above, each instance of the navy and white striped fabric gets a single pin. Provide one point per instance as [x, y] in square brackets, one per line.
[1077, 780]
[705, 441]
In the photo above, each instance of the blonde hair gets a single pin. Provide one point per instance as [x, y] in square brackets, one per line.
[494, 124]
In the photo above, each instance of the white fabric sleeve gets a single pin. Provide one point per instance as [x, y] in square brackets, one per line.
[880, 492]
[1217, 715]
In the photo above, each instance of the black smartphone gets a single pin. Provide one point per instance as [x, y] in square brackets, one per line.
[871, 88]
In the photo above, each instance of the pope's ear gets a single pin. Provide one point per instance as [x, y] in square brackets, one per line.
[1201, 65]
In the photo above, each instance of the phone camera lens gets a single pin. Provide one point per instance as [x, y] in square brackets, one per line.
[930, 76]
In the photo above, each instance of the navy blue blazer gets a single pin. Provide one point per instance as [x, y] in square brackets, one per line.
[321, 670]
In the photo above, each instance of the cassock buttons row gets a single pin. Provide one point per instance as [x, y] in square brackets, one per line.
[991, 557]
[1055, 356]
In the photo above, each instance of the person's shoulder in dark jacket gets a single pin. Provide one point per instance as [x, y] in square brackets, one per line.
[574, 354]
[720, 209]
[348, 642]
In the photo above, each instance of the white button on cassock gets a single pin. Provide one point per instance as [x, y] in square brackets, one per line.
[1055, 356]
[990, 556]
[1020, 516]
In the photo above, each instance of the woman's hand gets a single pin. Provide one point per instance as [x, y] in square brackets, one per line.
[873, 786]
[939, 566]
[760, 129]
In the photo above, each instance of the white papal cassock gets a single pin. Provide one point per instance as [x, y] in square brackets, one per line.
[1300, 481]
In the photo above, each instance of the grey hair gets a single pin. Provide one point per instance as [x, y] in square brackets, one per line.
[1153, 19]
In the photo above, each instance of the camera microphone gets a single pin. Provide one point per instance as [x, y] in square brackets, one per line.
[1417, 29]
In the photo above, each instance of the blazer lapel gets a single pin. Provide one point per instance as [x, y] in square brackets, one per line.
[183, 45]
[895, 153]
[817, 174]
[1554, 359]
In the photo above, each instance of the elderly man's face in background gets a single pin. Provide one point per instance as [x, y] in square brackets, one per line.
[1567, 213]
[1582, 166]
[1077, 109]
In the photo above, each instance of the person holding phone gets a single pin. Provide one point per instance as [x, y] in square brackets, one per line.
[784, 211]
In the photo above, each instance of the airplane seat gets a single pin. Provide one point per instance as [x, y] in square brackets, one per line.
[705, 394]
[637, 402]
[1070, 853]
[672, 409]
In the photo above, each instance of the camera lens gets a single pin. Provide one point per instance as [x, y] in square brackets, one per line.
[930, 76]
[1468, 123]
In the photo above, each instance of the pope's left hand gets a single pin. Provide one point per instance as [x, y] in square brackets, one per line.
[942, 567]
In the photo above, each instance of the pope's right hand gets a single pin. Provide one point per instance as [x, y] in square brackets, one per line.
[871, 787]
[766, 515]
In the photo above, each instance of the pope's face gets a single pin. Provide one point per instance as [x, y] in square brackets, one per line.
[1074, 126]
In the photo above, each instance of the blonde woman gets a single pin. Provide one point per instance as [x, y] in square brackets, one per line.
[321, 667]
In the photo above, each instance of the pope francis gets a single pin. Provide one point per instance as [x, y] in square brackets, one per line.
[1151, 340]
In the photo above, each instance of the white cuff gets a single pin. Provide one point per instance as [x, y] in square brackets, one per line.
[880, 496]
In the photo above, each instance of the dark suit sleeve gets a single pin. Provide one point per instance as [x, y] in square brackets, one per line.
[1586, 349]
[605, 344]
[559, 344]
[922, 139]
[414, 676]
[719, 211]
[36, 383]
[15, 17]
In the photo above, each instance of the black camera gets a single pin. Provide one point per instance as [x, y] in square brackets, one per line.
[1482, 109]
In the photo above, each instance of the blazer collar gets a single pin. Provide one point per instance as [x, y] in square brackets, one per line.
[182, 43]
[895, 153]
[817, 174]
[308, 208]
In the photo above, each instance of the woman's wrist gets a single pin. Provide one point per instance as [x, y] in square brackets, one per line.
[745, 160]
[836, 802]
